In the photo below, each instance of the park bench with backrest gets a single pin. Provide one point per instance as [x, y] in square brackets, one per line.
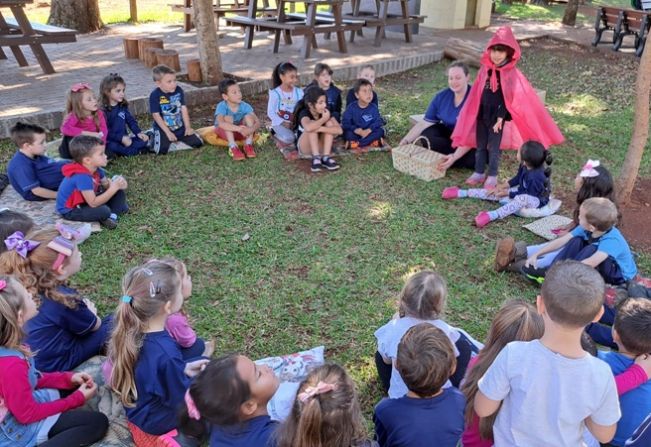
[608, 18]
[634, 23]
[18, 31]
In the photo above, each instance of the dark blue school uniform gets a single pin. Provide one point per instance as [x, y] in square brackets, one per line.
[356, 117]
[256, 432]
[27, 173]
[532, 182]
[119, 120]
[411, 422]
[63, 337]
[160, 383]
[351, 98]
[333, 100]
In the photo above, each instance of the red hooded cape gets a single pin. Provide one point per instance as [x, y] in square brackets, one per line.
[77, 198]
[529, 118]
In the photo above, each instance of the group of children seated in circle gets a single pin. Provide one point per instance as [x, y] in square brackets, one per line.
[537, 380]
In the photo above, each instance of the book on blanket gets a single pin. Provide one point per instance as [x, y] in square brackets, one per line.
[543, 227]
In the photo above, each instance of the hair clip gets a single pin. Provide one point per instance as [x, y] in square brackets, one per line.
[3, 284]
[62, 246]
[17, 242]
[79, 87]
[127, 299]
[589, 170]
[193, 411]
[147, 272]
[312, 391]
[154, 289]
[68, 232]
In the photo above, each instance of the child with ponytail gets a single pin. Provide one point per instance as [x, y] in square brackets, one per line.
[227, 402]
[149, 373]
[326, 412]
[31, 412]
[67, 330]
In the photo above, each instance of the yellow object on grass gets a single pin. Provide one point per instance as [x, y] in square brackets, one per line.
[209, 136]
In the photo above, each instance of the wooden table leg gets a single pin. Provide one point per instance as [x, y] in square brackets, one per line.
[2, 54]
[18, 53]
[250, 31]
[37, 48]
[187, 18]
[382, 15]
[341, 35]
[405, 14]
[310, 22]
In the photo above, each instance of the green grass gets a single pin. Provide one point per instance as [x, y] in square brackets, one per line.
[328, 254]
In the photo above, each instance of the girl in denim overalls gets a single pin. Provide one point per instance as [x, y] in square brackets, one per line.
[31, 412]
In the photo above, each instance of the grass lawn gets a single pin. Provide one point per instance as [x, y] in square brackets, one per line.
[554, 11]
[327, 254]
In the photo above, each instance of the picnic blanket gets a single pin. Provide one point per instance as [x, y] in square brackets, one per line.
[543, 227]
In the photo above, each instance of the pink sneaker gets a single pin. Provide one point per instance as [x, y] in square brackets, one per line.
[491, 182]
[475, 179]
[482, 219]
[451, 192]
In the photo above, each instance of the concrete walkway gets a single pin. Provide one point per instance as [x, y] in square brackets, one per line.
[27, 93]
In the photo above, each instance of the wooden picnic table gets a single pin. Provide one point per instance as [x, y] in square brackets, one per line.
[381, 18]
[19, 31]
[289, 24]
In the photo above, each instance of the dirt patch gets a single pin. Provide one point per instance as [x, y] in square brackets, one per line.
[635, 217]
[184, 78]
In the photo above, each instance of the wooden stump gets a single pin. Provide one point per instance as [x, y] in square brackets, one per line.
[148, 42]
[194, 70]
[151, 56]
[131, 48]
[463, 50]
[169, 58]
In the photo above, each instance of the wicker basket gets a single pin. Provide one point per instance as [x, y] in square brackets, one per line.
[418, 161]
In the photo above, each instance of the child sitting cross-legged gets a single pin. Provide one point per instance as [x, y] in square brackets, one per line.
[170, 114]
[227, 403]
[34, 175]
[67, 331]
[316, 129]
[362, 123]
[425, 361]
[323, 79]
[86, 194]
[326, 413]
[83, 118]
[235, 120]
[547, 391]
[632, 334]
[595, 242]
[530, 188]
[32, 411]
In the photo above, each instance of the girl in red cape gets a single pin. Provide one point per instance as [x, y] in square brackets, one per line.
[502, 110]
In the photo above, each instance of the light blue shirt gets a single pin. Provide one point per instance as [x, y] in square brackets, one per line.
[614, 245]
[243, 109]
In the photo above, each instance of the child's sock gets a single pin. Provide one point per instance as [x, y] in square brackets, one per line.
[113, 216]
[462, 193]
[325, 158]
[249, 140]
[493, 215]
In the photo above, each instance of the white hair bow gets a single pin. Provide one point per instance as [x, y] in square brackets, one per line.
[589, 170]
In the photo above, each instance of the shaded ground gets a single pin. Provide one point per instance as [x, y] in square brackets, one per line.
[636, 217]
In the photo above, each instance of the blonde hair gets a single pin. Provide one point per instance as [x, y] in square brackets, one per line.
[11, 302]
[35, 271]
[149, 288]
[330, 419]
[423, 296]
[74, 106]
[600, 212]
[516, 320]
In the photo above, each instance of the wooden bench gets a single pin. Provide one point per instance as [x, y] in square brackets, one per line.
[220, 9]
[607, 19]
[634, 23]
[54, 34]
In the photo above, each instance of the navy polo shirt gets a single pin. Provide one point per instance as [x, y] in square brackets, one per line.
[256, 432]
[160, 382]
[27, 173]
[55, 331]
[412, 422]
[442, 108]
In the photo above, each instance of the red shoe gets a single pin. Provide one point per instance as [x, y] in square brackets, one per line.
[248, 151]
[482, 219]
[353, 145]
[375, 143]
[451, 192]
[236, 154]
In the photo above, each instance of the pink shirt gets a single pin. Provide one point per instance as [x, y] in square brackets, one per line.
[179, 328]
[626, 381]
[73, 126]
[16, 391]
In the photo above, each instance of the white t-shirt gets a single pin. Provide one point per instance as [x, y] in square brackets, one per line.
[388, 338]
[546, 397]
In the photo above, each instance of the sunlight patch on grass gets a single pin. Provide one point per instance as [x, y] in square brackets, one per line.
[584, 104]
[380, 211]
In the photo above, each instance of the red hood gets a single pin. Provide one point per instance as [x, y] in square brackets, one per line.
[503, 36]
[74, 168]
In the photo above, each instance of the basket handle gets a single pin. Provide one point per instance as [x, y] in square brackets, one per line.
[429, 145]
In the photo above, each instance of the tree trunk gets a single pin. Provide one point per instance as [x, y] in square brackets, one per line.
[211, 62]
[569, 18]
[81, 15]
[631, 167]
